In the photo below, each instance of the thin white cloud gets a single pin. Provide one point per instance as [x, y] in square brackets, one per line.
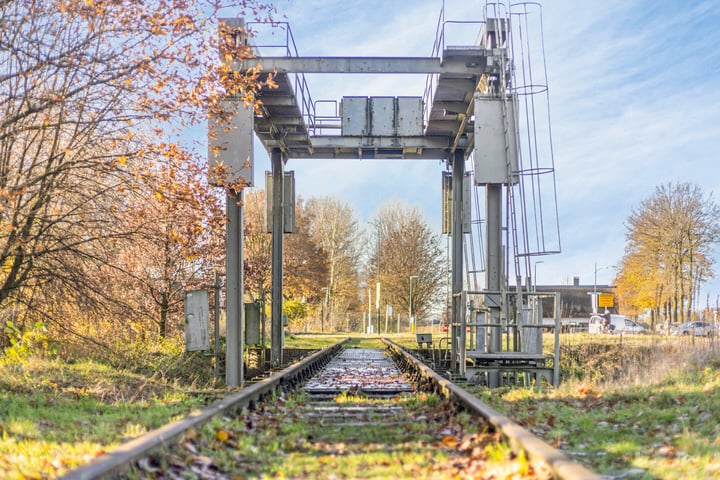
[634, 97]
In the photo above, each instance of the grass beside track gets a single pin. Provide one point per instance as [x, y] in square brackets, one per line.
[411, 436]
[640, 407]
[55, 416]
[643, 407]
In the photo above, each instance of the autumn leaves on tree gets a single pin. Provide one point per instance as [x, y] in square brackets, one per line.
[106, 217]
[104, 220]
[669, 252]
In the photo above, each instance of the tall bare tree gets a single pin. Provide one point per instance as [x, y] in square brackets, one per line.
[334, 229]
[305, 262]
[405, 246]
[258, 247]
[305, 265]
[670, 241]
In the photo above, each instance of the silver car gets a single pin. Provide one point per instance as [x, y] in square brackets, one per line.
[697, 328]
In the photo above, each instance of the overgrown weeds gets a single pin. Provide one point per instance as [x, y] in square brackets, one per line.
[640, 410]
[632, 408]
[58, 413]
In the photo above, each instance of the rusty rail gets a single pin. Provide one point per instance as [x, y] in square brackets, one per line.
[122, 458]
[519, 438]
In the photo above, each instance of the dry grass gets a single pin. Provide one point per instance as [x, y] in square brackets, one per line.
[641, 408]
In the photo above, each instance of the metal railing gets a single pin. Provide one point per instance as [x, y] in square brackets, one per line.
[288, 48]
[439, 46]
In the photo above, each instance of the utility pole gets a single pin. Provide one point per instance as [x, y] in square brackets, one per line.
[594, 299]
[410, 307]
[276, 320]
[322, 310]
[377, 286]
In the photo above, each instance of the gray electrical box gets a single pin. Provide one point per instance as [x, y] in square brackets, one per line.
[354, 112]
[288, 201]
[197, 325]
[409, 116]
[382, 116]
[230, 144]
[496, 157]
[447, 206]
[252, 323]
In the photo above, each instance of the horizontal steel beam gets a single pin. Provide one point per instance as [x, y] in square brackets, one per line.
[279, 120]
[451, 107]
[295, 153]
[278, 100]
[381, 142]
[447, 126]
[358, 147]
[390, 65]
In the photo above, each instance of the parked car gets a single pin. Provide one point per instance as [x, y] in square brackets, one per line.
[618, 324]
[697, 328]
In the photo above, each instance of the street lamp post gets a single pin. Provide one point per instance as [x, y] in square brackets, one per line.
[535, 275]
[410, 306]
[595, 302]
[322, 310]
[595, 292]
[377, 286]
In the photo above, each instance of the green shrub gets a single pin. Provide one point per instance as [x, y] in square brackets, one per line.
[31, 342]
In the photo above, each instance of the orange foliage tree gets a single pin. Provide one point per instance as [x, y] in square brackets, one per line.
[669, 251]
[94, 95]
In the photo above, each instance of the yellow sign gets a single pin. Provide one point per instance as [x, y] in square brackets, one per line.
[605, 300]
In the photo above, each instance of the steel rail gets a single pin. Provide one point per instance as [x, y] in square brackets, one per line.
[122, 458]
[519, 438]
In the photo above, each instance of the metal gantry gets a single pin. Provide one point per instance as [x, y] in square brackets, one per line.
[468, 110]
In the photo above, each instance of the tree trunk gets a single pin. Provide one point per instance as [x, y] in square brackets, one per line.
[164, 307]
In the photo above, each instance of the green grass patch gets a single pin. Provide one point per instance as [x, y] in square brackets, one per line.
[351, 437]
[318, 341]
[55, 416]
[662, 423]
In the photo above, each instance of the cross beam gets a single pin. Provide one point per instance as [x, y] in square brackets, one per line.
[470, 65]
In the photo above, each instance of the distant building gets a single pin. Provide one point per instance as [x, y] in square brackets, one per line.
[575, 300]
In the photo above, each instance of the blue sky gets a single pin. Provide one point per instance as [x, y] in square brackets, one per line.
[634, 89]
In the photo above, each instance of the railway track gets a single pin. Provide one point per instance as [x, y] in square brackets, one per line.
[341, 413]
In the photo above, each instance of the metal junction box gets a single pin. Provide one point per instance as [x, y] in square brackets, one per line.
[252, 323]
[196, 321]
[354, 112]
[496, 157]
[382, 116]
[409, 116]
[230, 144]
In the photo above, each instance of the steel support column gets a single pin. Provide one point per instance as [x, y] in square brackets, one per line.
[278, 227]
[234, 371]
[494, 272]
[456, 266]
